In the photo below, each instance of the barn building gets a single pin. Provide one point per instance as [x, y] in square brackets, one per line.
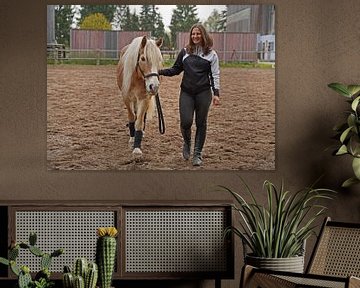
[259, 19]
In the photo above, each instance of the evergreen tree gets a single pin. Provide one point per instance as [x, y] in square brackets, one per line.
[222, 22]
[183, 17]
[107, 10]
[147, 21]
[215, 22]
[64, 15]
[159, 27]
[151, 20]
[126, 20]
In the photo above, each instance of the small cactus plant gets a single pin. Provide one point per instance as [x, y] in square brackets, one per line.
[42, 278]
[106, 254]
[85, 275]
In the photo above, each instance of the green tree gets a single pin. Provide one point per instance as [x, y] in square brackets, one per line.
[151, 20]
[183, 17]
[125, 19]
[222, 22]
[64, 15]
[107, 10]
[215, 22]
[95, 21]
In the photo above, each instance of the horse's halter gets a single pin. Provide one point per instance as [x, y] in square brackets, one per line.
[142, 72]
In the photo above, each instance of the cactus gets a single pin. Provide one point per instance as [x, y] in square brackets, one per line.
[24, 277]
[84, 276]
[106, 254]
[24, 280]
[80, 267]
[32, 239]
[13, 253]
[36, 251]
[91, 275]
[79, 282]
[68, 280]
[45, 261]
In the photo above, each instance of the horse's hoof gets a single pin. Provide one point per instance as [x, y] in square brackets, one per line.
[137, 152]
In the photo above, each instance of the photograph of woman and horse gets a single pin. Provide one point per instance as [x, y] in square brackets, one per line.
[197, 111]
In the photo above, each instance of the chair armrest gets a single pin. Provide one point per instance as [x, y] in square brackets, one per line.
[354, 282]
[253, 278]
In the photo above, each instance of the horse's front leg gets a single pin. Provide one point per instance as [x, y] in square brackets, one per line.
[139, 125]
[131, 118]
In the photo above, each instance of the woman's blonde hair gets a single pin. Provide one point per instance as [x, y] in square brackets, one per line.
[206, 42]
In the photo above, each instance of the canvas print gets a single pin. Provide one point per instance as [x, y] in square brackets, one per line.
[161, 87]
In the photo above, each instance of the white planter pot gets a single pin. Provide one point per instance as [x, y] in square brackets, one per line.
[291, 264]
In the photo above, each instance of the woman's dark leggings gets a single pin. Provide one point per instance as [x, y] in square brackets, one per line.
[199, 105]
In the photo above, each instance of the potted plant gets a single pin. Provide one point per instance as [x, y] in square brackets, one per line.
[42, 278]
[348, 132]
[106, 254]
[274, 235]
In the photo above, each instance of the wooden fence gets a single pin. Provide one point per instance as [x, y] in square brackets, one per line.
[105, 45]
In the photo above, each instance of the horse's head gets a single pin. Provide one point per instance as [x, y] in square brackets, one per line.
[149, 63]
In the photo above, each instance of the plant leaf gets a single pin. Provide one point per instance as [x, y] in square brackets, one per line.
[355, 103]
[349, 182]
[353, 89]
[342, 150]
[345, 134]
[340, 88]
[356, 167]
[4, 261]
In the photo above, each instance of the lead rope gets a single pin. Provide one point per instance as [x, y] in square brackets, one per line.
[160, 115]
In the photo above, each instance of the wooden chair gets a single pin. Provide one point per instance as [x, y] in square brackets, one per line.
[335, 262]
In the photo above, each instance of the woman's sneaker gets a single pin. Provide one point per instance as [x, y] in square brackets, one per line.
[186, 151]
[197, 160]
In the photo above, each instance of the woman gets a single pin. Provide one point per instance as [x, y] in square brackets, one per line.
[199, 87]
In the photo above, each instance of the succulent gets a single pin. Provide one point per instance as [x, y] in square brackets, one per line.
[42, 278]
[106, 254]
[85, 275]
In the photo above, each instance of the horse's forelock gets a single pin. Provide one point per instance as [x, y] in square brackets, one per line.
[153, 53]
[130, 58]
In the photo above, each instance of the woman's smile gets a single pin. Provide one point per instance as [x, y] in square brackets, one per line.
[196, 36]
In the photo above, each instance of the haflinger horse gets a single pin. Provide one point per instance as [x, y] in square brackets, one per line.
[138, 81]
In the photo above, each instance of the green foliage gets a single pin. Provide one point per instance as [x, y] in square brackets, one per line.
[348, 132]
[105, 259]
[84, 275]
[151, 20]
[43, 283]
[42, 278]
[125, 19]
[107, 10]
[64, 15]
[216, 21]
[95, 21]
[183, 18]
[279, 229]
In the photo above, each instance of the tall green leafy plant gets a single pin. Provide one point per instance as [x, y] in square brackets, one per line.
[348, 132]
[280, 228]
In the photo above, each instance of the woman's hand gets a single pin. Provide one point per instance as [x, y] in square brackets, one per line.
[216, 100]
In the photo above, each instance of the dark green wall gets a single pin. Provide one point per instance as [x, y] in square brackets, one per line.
[317, 42]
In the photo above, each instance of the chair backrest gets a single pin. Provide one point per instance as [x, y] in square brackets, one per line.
[337, 250]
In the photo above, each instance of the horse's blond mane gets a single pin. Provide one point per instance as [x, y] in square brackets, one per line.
[130, 57]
